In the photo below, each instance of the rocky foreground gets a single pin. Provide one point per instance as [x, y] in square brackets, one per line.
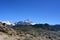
[44, 36]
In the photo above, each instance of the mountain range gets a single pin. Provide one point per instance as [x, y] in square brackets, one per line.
[26, 30]
[27, 22]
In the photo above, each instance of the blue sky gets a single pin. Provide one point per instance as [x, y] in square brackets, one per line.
[43, 11]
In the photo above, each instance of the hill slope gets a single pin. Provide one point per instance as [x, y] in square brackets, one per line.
[27, 32]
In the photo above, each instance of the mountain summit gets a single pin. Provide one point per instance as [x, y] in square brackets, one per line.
[25, 22]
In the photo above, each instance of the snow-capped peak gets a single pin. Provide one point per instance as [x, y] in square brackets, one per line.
[33, 23]
[8, 22]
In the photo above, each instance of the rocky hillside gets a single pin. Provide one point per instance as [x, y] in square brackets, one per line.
[27, 32]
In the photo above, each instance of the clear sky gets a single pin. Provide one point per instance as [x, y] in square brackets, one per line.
[43, 11]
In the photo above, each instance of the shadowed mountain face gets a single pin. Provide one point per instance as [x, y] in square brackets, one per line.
[56, 26]
[27, 25]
